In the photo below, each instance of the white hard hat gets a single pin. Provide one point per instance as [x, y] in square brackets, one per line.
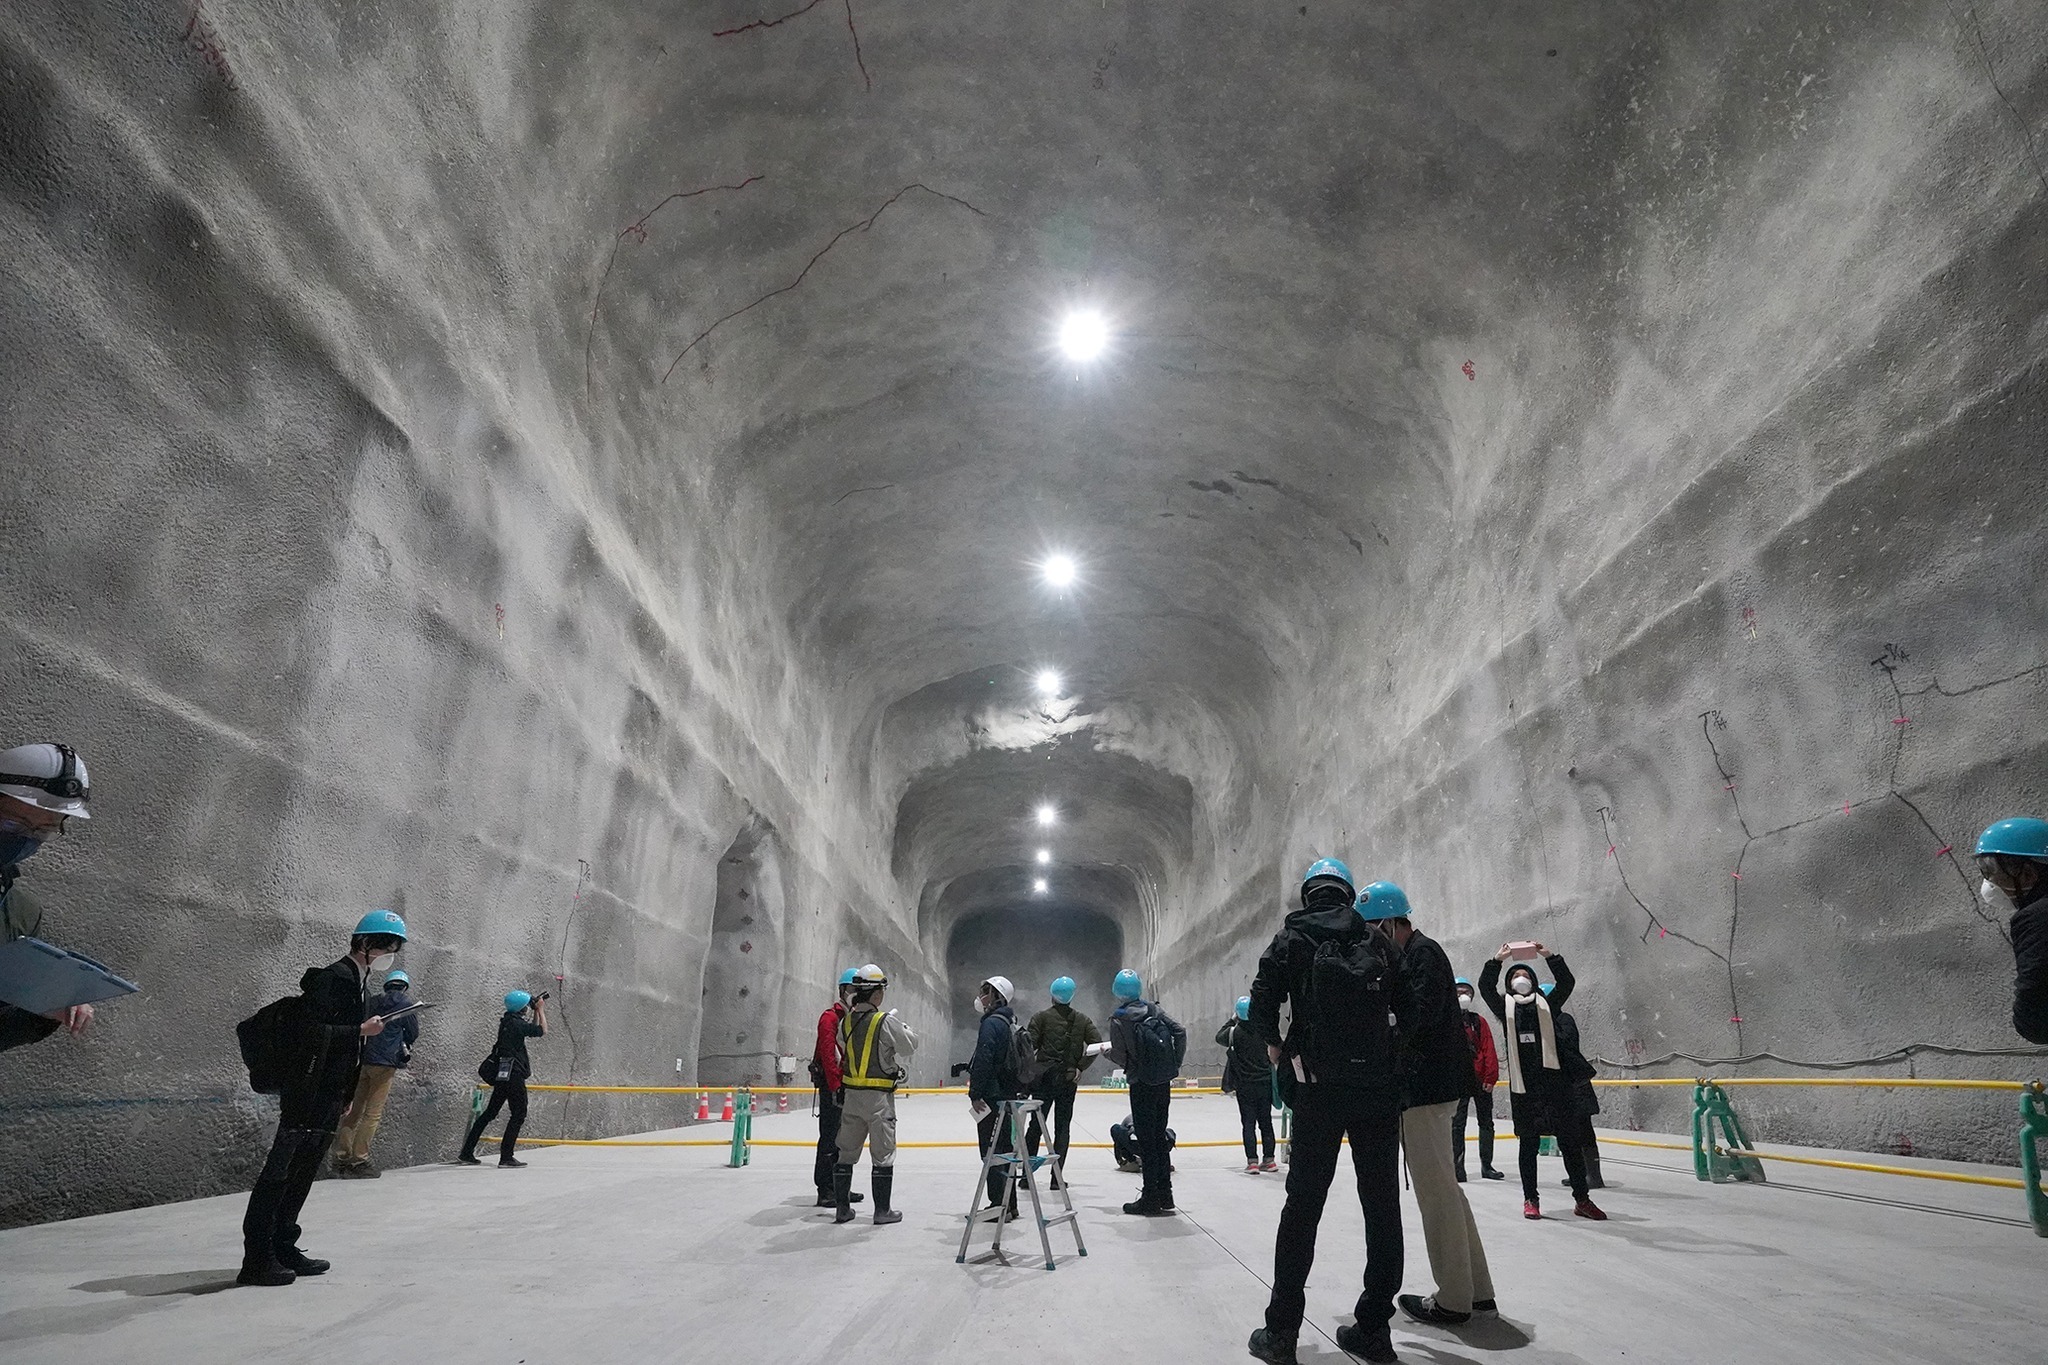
[869, 977]
[49, 777]
[1002, 987]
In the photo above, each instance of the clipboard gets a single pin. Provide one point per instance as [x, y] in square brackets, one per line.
[40, 977]
[413, 1008]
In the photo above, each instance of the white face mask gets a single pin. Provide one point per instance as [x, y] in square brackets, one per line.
[1522, 985]
[383, 963]
[1465, 1002]
[1988, 892]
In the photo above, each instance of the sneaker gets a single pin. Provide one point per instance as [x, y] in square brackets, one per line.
[1375, 1344]
[1530, 1209]
[883, 1217]
[358, 1170]
[1586, 1208]
[1251, 1168]
[467, 1160]
[1485, 1307]
[1488, 1173]
[1268, 1345]
[511, 1163]
[1269, 1165]
[272, 1274]
[1430, 1311]
[1461, 1177]
[299, 1263]
[1147, 1208]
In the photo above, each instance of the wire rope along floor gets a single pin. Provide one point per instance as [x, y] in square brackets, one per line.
[611, 1257]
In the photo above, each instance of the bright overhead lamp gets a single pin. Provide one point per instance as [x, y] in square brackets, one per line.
[1039, 886]
[1060, 571]
[1047, 815]
[1084, 335]
[1045, 855]
[1048, 683]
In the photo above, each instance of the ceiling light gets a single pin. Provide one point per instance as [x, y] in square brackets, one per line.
[1048, 683]
[1083, 335]
[1045, 855]
[1059, 571]
[1046, 815]
[1039, 886]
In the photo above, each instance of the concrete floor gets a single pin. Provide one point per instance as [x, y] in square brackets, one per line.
[663, 1254]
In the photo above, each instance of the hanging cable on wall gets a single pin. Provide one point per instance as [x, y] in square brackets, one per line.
[1899, 1054]
[562, 980]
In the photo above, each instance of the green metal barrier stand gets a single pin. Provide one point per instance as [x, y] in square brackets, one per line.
[742, 1127]
[1710, 1108]
[2033, 1127]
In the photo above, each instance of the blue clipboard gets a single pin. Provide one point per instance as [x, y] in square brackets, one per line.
[40, 977]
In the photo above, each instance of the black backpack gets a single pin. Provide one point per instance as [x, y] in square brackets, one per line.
[273, 1042]
[1152, 1042]
[1022, 1067]
[1353, 1038]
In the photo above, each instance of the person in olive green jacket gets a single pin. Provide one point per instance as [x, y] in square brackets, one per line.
[1067, 1042]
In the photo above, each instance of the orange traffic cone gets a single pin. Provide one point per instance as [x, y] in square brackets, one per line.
[726, 1117]
[782, 1104]
[703, 1106]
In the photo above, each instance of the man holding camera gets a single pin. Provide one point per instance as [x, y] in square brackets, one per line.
[506, 1070]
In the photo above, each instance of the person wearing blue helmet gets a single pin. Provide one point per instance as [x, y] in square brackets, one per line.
[2012, 855]
[383, 1058]
[1149, 1045]
[333, 1019]
[1067, 1043]
[505, 1071]
[1248, 1074]
[1338, 1067]
[826, 1076]
[1436, 1065]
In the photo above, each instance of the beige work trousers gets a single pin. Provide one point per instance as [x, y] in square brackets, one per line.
[1456, 1257]
[869, 1116]
[365, 1112]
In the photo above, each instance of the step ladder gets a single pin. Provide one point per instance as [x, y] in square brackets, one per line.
[1018, 1168]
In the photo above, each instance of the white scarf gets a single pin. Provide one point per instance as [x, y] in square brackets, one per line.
[1545, 1031]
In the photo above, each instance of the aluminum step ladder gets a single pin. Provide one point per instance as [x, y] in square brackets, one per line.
[1016, 1169]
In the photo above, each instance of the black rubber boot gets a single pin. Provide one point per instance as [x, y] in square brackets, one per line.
[842, 1187]
[1268, 1345]
[884, 1179]
[1375, 1344]
[299, 1263]
[268, 1273]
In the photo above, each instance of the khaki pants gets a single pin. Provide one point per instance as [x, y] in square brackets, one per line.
[1456, 1257]
[870, 1117]
[365, 1112]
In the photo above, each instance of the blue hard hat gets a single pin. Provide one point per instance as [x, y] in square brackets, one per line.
[846, 977]
[1383, 900]
[380, 922]
[1127, 986]
[1244, 1007]
[396, 979]
[1327, 867]
[1063, 990]
[516, 1001]
[1547, 987]
[1461, 981]
[2021, 836]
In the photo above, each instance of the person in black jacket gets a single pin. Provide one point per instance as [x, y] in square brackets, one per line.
[1537, 1080]
[1248, 1072]
[2012, 855]
[1585, 1099]
[383, 1058]
[1437, 1066]
[991, 1080]
[334, 1022]
[1338, 1066]
[506, 1069]
[1149, 1044]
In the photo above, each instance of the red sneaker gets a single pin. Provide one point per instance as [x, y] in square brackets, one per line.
[1530, 1209]
[1586, 1208]
[1251, 1168]
[1269, 1165]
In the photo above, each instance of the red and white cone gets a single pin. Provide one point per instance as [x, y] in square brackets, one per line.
[703, 1107]
[726, 1117]
[782, 1104]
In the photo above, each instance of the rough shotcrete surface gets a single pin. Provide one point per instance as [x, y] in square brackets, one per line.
[574, 474]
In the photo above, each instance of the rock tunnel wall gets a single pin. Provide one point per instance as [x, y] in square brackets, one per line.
[1632, 428]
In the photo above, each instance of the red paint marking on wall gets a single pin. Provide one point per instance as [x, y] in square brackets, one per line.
[499, 608]
[1663, 932]
[1729, 788]
[1734, 1018]
[1845, 808]
[1736, 875]
[1467, 370]
[1944, 850]
[203, 38]
[1902, 720]
[1610, 850]
[1749, 622]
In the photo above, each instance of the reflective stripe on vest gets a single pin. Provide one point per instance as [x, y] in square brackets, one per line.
[859, 1056]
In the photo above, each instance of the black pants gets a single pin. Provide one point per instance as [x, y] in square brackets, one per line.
[1149, 1101]
[1059, 1102]
[995, 1129]
[831, 1105]
[305, 1131]
[507, 1095]
[1483, 1102]
[1582, 1136]
[1567, 1147]
[1323, 1118]
[1255, 1116]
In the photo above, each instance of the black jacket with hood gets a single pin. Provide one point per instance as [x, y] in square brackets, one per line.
[988, 1071]
[2030, 962]
[1284, 975]
[1437, 1052]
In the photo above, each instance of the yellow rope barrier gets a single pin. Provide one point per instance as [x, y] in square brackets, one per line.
[1999, 1181]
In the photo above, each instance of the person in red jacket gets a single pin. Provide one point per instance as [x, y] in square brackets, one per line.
[1485, 1076]
[831, 1093]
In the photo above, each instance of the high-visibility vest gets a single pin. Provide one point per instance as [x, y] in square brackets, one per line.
[857, 1052]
